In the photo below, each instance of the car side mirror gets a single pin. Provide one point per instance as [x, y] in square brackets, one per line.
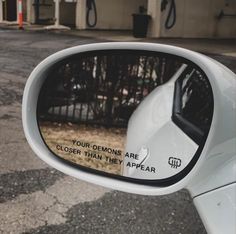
[138, 117]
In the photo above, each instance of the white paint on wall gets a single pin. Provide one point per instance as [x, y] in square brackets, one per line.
[154, 10]
[81, 14]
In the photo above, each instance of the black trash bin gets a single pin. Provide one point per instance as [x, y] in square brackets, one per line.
[140, 25]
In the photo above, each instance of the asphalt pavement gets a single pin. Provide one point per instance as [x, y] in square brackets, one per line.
[35, 198]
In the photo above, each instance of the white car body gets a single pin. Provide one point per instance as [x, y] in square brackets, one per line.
[212, 180]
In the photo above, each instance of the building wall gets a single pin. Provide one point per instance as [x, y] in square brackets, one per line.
[226, 26]
[24, 8]
[196, 19]
[117, 14]
[111, 14]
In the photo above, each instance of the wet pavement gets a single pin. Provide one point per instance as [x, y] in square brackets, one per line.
[37, 199]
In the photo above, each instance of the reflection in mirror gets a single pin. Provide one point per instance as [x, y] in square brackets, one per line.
[86, 102]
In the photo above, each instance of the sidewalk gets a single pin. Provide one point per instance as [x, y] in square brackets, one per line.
[225, 47]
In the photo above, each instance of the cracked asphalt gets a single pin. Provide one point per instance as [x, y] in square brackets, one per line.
[37, 199]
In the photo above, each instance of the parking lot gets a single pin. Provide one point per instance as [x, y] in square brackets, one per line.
[35, 198]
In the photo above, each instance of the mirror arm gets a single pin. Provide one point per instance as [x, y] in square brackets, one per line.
[217, 209]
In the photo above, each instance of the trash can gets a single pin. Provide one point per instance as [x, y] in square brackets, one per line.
[140, 25]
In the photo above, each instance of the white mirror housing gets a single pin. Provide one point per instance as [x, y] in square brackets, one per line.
[213, 168]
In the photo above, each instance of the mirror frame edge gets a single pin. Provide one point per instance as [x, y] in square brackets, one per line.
[31, 93]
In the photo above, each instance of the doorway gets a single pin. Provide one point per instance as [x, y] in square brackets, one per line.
[9, 10]
[68, 13]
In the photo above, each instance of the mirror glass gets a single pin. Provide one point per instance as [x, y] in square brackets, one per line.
[135, 115]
